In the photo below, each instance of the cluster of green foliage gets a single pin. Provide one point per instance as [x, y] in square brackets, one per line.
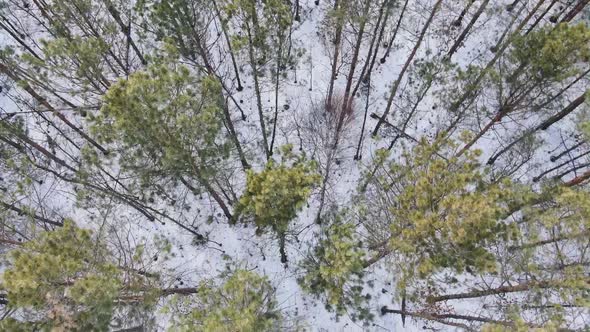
[76, 58]
[268, 28]
[444, 213]
[63, 275]
[167, 122]
[274, 196]
[176, 21]
[335, 268]
[552, 52]
[244, 302]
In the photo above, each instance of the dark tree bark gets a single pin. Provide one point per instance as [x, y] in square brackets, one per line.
[405, 68]
[542, 126]
[469, 90]
[347, 100]
[459, 42]
[46, 104]
[392, 39]
[522, 287]
[575, 11]
[229, 47]
[337, 44]
[20, 211]
[125, 29]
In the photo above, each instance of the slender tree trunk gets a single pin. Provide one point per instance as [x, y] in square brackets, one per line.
[538, 177]
[543, 126]
[46, 104]
[459, 42]
[36, 146]
[93, 31]
[126, 199]
[125, 29]
[497, 118]
[211, 72]
[575, 11]
[427, 316]
[234, 137]
[15, 36]
[522, 287]
[374, 47]
[347, 100]
[470, 89]
[405, 68]
[508, 28]
[216, 197]
[512, 5]
[392, 39]
[357, 155]
[20, 211]
[566, 151]
[297, 17]
[411, 114]
[228, 41]
[257, 91]
[459, 20]
[549, 241]
[569, 109]
[578, 179]
[278, 71]
[282, 248]
[339, 27]
[538, 20]
[436, 317]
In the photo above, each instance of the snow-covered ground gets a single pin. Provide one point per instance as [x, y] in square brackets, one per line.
[303, 89]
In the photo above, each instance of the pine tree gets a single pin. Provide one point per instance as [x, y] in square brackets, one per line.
[274, 196]
[166, 123]
[244, 302]
[66, 278]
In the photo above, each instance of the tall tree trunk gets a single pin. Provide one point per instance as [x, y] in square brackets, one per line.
[578, 179]
[282, 248]
[459, 42]
[425, 90]
[125, 29]
[26, 140]
[470, 89]
[231, 51]
[41, 100]
[338, 7]
[374, 47]
[567, 151]
[395, 31]
[277, 78]
[357, 155]
[459, 20]
[563, 113]
[542, 126]
[575, 11]
[511, 102]
[20, 211]
[347, 100]
[522, 287]
[15, 35]
[538, 177]
[405, 68]
[442, 318]
[254, 65]
[234, 137]
[201, 51]
[538, 20]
